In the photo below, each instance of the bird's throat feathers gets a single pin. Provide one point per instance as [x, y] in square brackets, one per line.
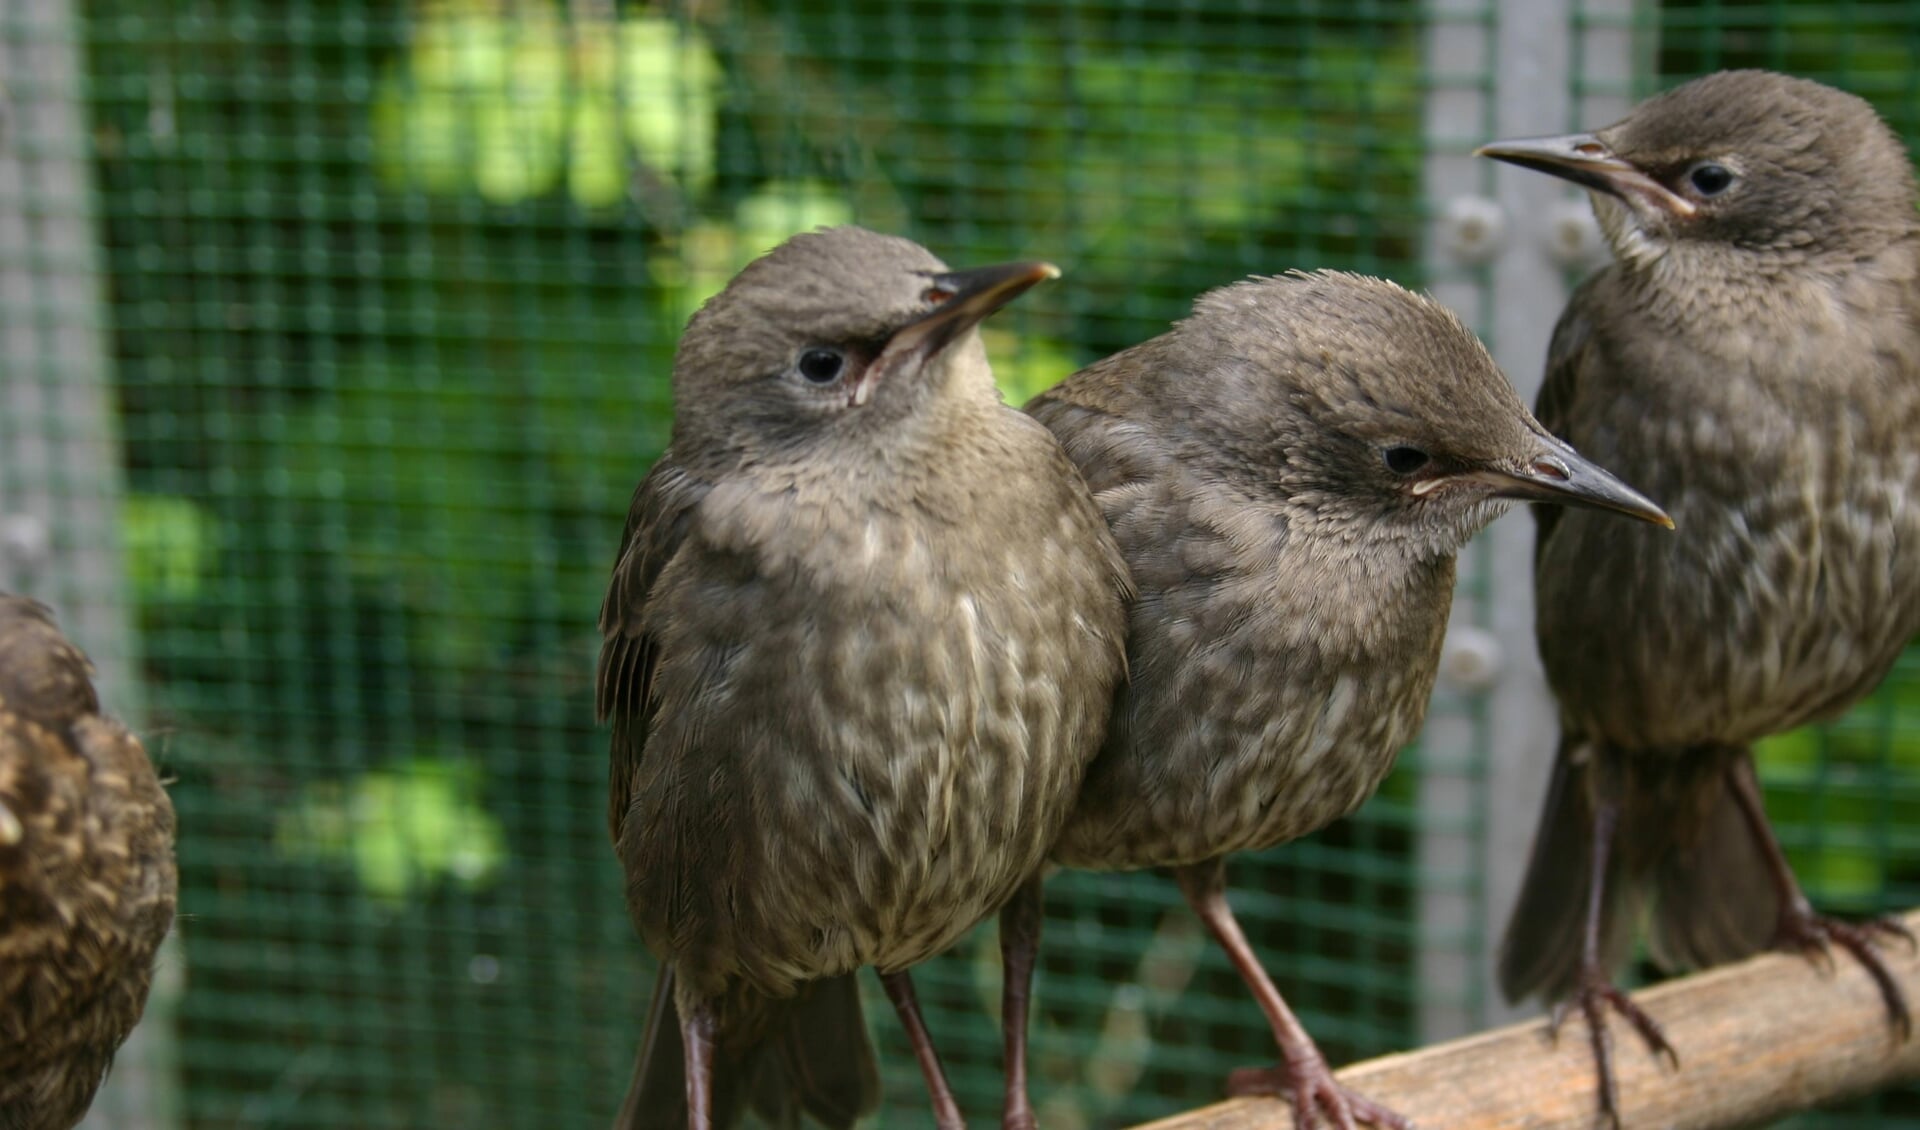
[870, 515]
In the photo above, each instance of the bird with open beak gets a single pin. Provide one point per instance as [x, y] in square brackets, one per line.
[859, 645]
[1753, 354]
[1289, 473]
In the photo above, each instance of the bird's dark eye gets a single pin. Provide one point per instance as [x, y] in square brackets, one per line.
[821, 366]
[1405, 460]
[1709, 179]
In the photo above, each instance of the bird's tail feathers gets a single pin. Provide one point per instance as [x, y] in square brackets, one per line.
[782, 1058]
[1714, 899]
[1540, 953]
[825, 1056]
[656, 1095]
[1682, 858]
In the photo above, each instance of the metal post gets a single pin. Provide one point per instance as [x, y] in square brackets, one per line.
[60, 463]
[1459, 56]
[1528, 230]
[1532, 95]
[60, 473]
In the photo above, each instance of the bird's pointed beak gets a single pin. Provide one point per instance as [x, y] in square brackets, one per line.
[1589, 162]
[1560, 475]
[961, 300]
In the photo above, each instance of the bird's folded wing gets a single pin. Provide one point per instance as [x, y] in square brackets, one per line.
[657, 524]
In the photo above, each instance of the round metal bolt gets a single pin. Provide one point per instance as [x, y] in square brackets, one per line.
[25, 542]
[483, 969]
[1573, 235]
[1472, 229]
[1471, 659]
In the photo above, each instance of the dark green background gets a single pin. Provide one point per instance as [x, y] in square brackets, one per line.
[385, 396]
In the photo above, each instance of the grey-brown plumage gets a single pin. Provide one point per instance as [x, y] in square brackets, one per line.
[1753, 356]
[87, 877]
[859, 646]
[1289, 474]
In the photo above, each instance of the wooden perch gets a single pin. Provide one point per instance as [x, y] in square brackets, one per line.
[1757, 1041]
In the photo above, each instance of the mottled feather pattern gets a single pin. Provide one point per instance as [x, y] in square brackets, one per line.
[1270, 684]
[1812, 580]
[1293, 592]
[865, 790]
[1753, 360]
[1781, 599]
[1289, 473]
[87, 876]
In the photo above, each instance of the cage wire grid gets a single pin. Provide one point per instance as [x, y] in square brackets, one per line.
[335, 336]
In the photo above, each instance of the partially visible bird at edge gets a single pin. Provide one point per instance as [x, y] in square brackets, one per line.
[87, 875]
[1752, 354]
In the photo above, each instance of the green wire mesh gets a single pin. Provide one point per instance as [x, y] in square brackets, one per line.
[390, 294]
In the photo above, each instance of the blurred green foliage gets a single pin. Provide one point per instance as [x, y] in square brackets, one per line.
[400, 829]
[171, 546]
[510, 100]
[395, 287]
[395, 290]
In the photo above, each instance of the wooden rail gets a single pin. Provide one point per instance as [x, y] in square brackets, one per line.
[1757, 1041]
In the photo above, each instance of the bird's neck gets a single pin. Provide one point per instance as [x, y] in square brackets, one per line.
[855, 485]
[1703, 289]
[1376, 591]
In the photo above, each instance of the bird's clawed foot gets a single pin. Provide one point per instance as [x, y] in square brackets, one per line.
[1811, 935]
[1594, 997]
[1315, 1092]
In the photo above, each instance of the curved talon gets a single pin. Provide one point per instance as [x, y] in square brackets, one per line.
[1813, 948]
[1316, 1094]
[1651, 1034]
[1556, 1016]
[1892, 928]
[1602, 1057]
[1859, 943]
[1814, 935]
[1594, 996]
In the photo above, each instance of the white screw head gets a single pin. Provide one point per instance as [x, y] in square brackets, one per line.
[1471, 659]
[1573, 236]
[26, 545]
[1472, 229]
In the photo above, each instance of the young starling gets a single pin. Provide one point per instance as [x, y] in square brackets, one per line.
[859, 646]
[1289, 473]
[1753, 354]
[87, 878]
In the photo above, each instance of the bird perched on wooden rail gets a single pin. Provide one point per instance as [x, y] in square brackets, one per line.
[87, 876]
[1289, 473]
[859, 646]
[1753, 354]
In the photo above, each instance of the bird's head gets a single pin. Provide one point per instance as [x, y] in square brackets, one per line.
[43, 677]
[1764, 163]
[834, 334]
[1356, 405]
